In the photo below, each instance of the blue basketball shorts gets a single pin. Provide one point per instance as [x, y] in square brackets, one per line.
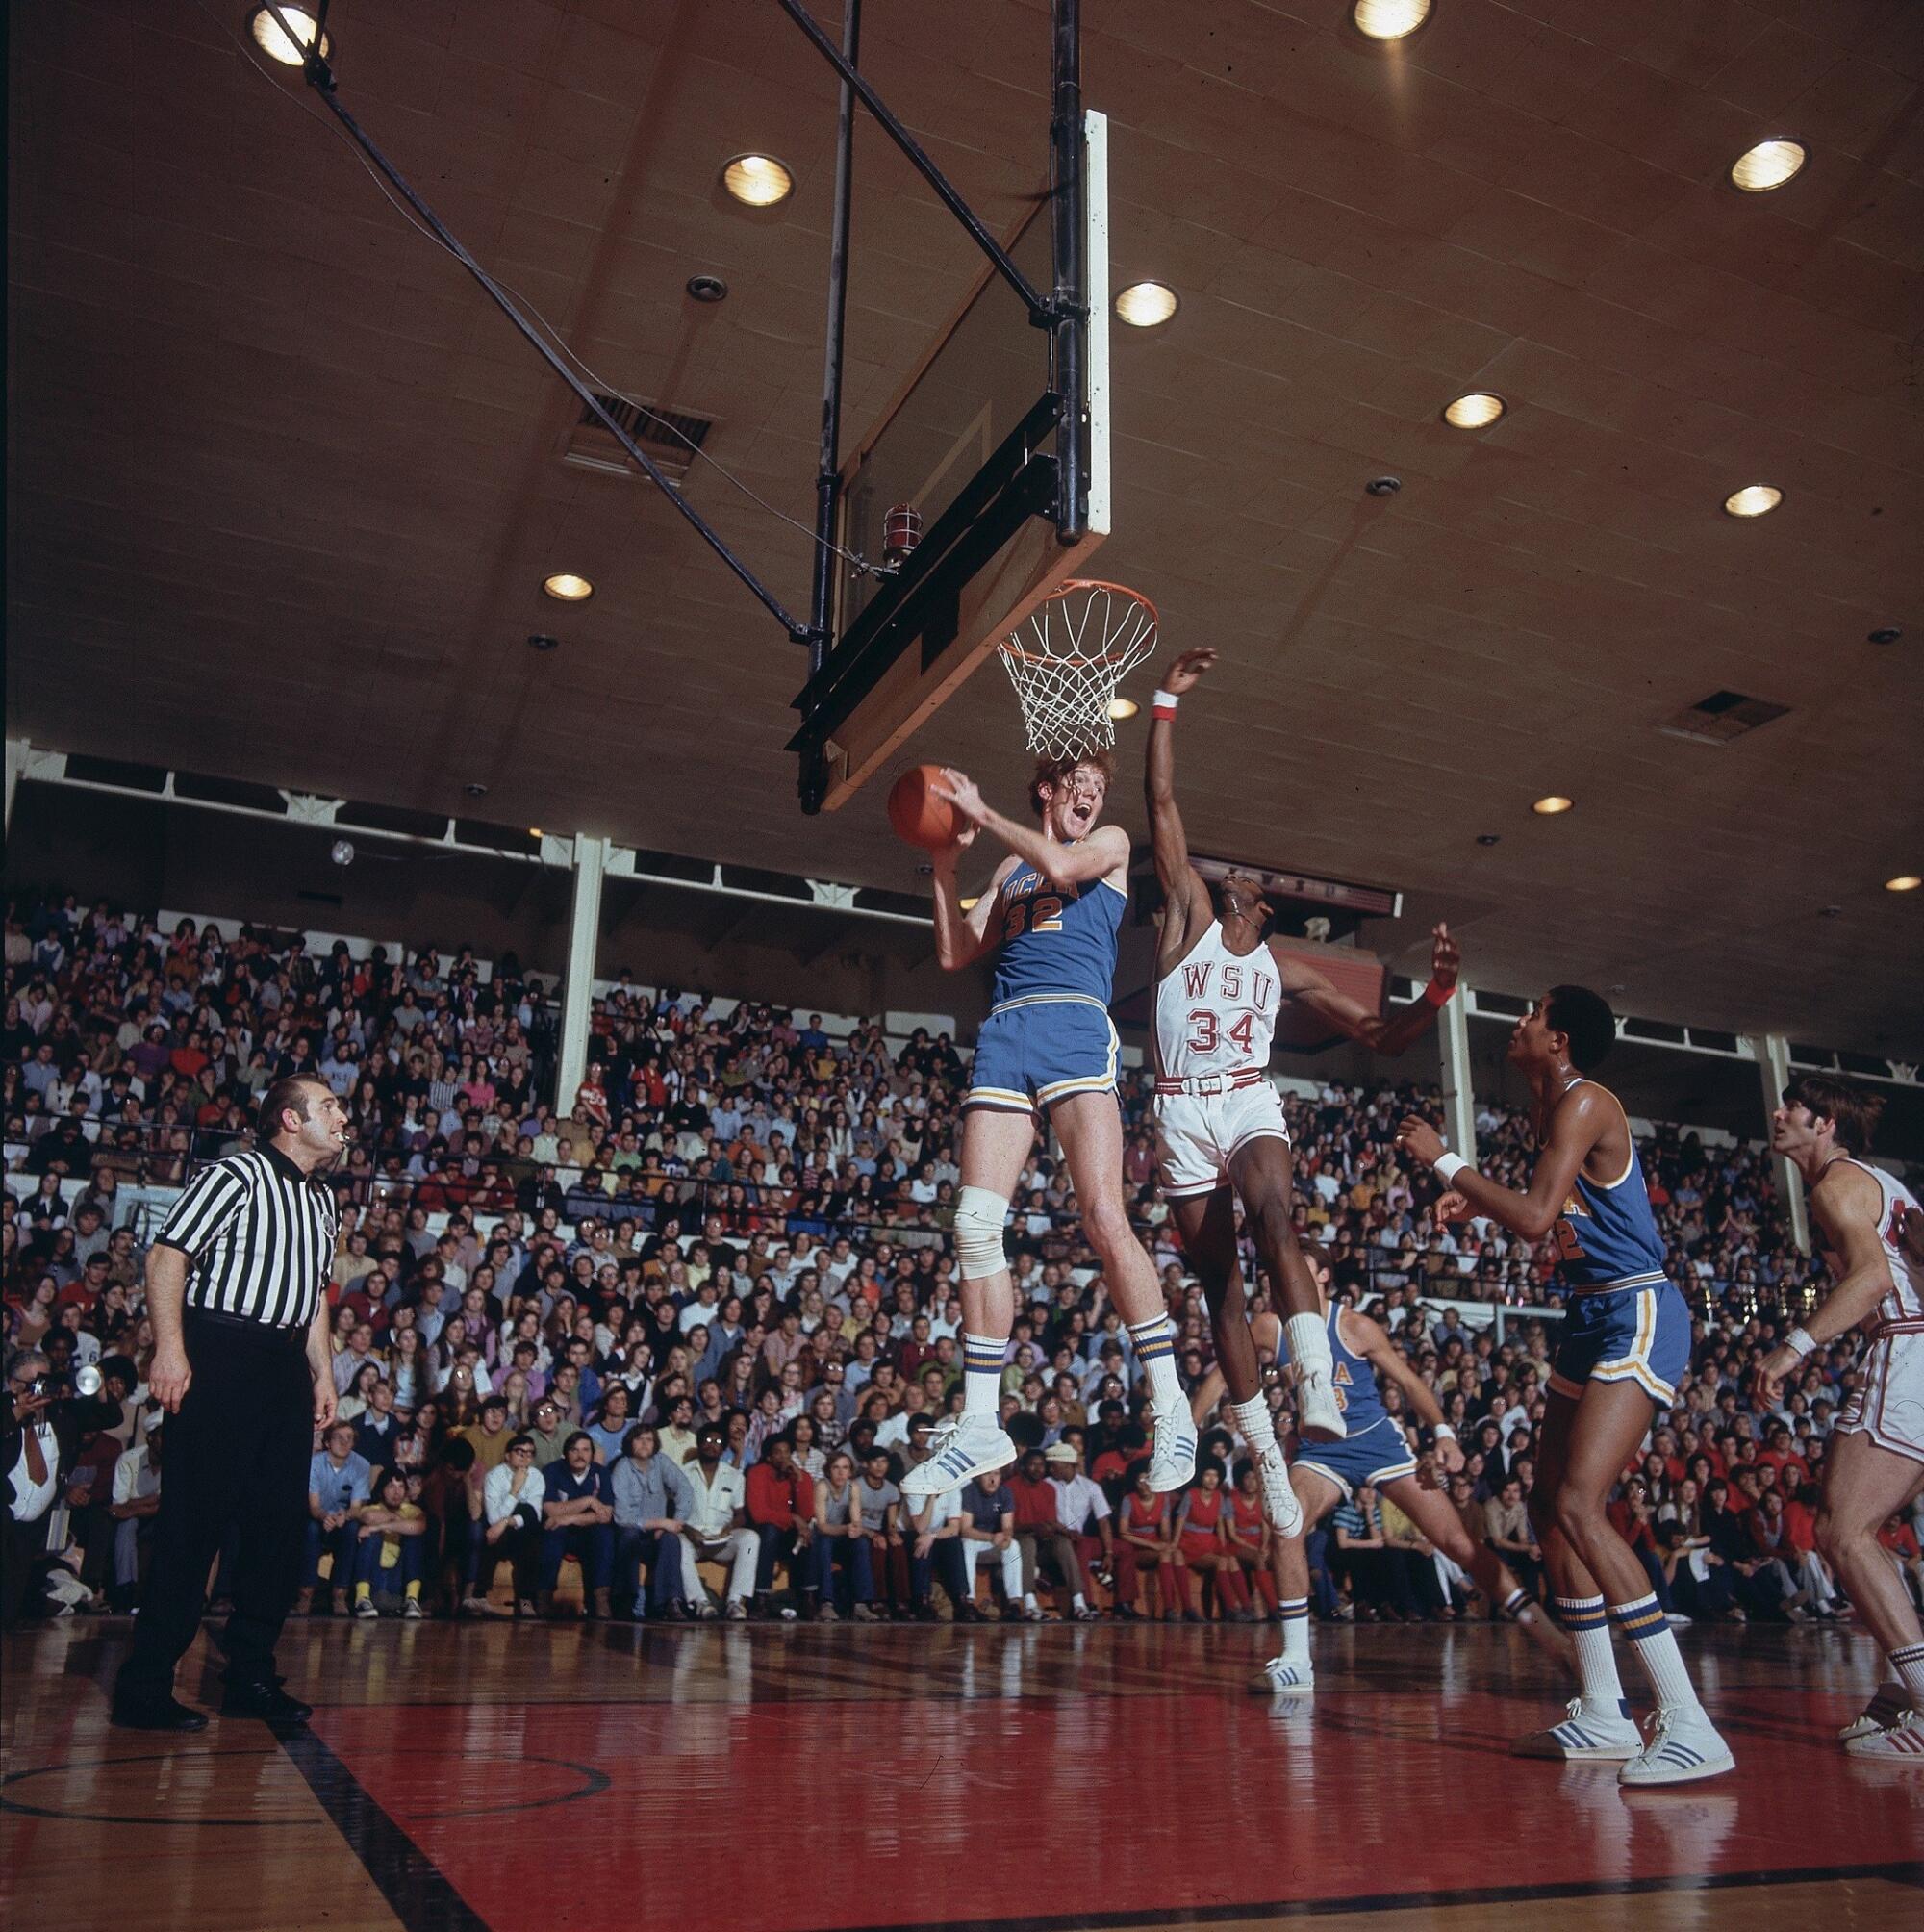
[1036, 1051]
[1624, 1335]
[1379, 1454]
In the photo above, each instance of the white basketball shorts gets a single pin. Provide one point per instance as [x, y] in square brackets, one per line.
[1888, 1404]
[1199, 1135]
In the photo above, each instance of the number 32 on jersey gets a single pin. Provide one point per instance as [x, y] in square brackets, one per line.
[1036, 915]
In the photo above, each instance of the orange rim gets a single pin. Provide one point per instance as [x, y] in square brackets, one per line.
[1067, 587]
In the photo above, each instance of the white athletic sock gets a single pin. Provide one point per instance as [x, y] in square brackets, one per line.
[1295, 1629]
[982, 1374]
[1028, 1600]
[1656, 1645]
[1257, 1426]
[1308, 1338]
[1589, 1628]
[1907, 1665]
[1077, 1601]
[1155, 1342]
[1515, 1603]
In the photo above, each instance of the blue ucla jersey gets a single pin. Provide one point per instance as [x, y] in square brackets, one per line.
[1607, 1236]
[1057, 938]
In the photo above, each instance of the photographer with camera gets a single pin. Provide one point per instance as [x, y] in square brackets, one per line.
[36, 1457]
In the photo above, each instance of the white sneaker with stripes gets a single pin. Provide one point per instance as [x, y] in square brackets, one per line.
[1280, 1678]
[1586, 1736]
[1886, 1707]
[1684, 1746]
[1172, 1462]
[1318, 1417]
[1900, 1742]
[959, 1450]
[1280, 1503]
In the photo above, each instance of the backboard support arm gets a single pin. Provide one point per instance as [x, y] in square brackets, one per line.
[1071, 256]
[1042, 309]
[828, 474]
[321, 77]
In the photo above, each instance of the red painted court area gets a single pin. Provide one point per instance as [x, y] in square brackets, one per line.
[1082, 1808]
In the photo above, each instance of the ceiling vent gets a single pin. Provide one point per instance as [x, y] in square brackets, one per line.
[1722, 716]
[669, 436]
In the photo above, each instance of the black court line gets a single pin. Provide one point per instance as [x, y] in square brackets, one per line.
[408, 1879]
[1910, 1873]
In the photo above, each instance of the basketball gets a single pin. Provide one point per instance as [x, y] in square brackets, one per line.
[918, 811]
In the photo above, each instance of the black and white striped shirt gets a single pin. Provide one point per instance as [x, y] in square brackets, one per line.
[261, 1237]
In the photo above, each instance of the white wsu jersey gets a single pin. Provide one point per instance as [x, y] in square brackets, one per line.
[1216, 1010]
[1906, 1300]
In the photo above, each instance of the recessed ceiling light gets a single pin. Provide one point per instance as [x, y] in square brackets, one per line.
[969, 905]
[1887, 634]
[540, 640]
[477, 790]
[1489, 838]
[1122, 707]
[534, 831]
[1770, 165]
[1146, 305]
[758, 180]
[1754, 499]
[567, 587]
[1389, 19]
[1476, 411]
[1549, 808]
[1905, 881]
[708, 287]
[275, 44]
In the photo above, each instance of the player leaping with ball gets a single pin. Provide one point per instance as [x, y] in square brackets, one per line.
[1048, 1049]
[1219, 989]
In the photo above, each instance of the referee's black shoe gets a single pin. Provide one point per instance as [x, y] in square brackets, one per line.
[156, 1714]
[262, 1697]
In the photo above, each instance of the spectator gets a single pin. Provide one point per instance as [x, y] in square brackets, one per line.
[388, 1547]
[577, 1520]
[336, 1486]
[838, 1547]
[652, 1500]
[781, 1508]
[511, 1499]
[718, 1526]
[989, 1536]
[135, 1501]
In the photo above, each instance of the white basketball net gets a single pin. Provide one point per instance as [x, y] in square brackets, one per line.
[1067, 660]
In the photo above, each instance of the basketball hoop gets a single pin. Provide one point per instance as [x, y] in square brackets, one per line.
[1067, 660]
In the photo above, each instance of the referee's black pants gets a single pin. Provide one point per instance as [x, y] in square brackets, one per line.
[237, 1453]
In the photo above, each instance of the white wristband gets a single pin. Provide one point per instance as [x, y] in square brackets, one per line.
[1799, 1343]
[1165, 700]
[1443, 1433]
[1448, 1167]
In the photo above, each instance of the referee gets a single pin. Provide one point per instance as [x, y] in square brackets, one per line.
[237, 1287]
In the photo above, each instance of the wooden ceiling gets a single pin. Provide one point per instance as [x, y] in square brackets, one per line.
[284, 485]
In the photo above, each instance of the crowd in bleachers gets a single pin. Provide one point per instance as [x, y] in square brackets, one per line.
[670, 1355]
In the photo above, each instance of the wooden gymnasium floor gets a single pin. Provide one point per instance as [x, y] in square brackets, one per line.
[765, 1778]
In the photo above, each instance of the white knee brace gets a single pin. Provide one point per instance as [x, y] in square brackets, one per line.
[980, 1214]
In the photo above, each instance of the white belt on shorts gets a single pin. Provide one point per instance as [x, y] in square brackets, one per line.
[1048, 1000]
[1204, 1087]
[1896, 1324]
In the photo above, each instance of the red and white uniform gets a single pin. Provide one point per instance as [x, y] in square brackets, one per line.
[1215, 1014]
[1888, 1405]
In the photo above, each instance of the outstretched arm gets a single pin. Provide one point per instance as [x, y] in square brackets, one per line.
[1582, 1118]
[1185, 897]
[1389, 1033]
